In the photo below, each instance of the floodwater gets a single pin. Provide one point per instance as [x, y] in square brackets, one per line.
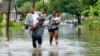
[73, 41]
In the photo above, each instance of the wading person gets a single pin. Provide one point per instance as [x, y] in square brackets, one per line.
[54, 20]
[33, 23]
[42, 17]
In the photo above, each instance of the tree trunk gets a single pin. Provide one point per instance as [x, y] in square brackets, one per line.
[7, 20]
[79, 20]
[33, 3]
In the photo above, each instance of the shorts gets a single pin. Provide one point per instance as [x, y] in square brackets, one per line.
[52, 30]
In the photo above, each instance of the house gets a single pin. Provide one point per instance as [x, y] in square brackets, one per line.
[14, 16]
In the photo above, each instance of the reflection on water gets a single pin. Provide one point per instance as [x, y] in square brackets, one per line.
[73, 41]
[37, 52]
[53, 54]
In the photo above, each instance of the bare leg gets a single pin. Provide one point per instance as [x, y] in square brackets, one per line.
[56, 33]
[51, 37]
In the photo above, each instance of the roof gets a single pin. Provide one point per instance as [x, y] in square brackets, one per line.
[5, 4]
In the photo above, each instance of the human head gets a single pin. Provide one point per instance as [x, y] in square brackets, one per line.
[54, 12]
[57, 14]
[43, 10]
[32, 10]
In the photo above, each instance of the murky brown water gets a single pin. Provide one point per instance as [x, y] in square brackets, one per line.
[72, 42]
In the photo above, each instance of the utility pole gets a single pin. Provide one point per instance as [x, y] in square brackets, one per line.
[33, 3]
[43, 3]
[7, 20]
[58, 5]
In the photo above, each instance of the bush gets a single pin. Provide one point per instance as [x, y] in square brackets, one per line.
[11, 24]
[18, 24]
[15, 24]
[92, 23]
[2, 24]
[1, 17]
[93, 20]
[22, 19]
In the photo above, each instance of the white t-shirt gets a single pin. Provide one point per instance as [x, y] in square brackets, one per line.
[35, 18]
[56, 18]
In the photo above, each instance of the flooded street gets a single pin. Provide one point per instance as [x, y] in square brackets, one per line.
[73, 41]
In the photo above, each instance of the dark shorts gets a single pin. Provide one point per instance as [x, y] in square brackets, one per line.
[52, 30]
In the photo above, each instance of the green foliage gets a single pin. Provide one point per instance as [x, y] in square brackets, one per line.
[1, 17]
[2, 24]
[39, 5]
[87, 22]
[23, 18]
[93, 20]
[74, 7]
[20, 2]
[16, 24]
[89, 2]
[90, 11]
[92, 24]
[25, 7]
[11, 24]
[71, 6]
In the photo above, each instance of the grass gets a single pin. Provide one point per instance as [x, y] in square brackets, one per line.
[12, 24]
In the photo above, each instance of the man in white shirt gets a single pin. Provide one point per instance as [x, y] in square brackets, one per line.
[35, 18]
[32, 23]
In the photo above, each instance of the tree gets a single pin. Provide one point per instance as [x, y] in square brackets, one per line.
[39, 5]
[74, 7]
[89, 2]
[70, 6]
[93, 16]
[20, 2]
[96, 9]
[25, 7]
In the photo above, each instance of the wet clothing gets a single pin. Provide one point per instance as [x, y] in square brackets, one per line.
[37, 36]
[36, 33]
[31, 18]
[52, 30]
[41, 19]
[53, 22]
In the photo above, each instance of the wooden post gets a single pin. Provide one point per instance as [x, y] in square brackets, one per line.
[58, 5]
[7, 21]
[43, 3]
[33, 3]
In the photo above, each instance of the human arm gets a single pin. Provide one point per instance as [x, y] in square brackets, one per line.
[29, 21]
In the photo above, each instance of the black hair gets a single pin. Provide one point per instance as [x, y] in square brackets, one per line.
[55, 11]
[32, 7]
[44, 8]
